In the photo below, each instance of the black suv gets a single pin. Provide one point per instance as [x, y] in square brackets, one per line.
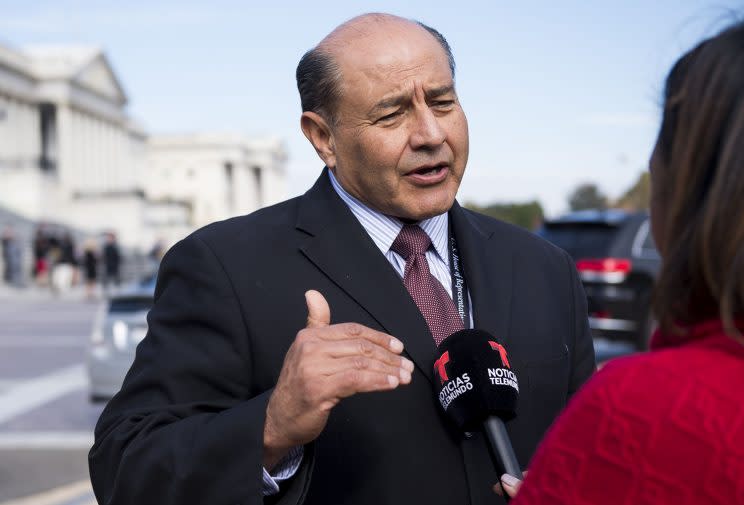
[617, 262]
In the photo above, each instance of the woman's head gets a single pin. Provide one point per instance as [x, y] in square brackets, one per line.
[697, 174]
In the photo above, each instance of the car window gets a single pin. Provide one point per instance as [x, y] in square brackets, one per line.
[643, 244]
[581, 240]
[648, 244]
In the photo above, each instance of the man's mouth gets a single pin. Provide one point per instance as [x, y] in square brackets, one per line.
[429, 174]
[428, 170]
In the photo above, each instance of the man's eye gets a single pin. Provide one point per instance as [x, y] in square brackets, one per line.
[392, 115]
[443, 104]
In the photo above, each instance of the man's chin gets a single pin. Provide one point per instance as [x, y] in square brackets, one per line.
[423, 212]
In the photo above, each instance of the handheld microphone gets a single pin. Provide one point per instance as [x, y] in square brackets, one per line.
[478, 388]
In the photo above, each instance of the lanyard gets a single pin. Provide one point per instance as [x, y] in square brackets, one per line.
[459, 286]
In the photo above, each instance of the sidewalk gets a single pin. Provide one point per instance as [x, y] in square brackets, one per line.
[37, 293]
[77, 493]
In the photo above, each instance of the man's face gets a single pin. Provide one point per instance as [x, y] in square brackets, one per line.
[400, 142]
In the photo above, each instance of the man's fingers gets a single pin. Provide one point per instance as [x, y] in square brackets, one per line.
[351, 382]
[351, 331]
[365, 348]
[318, 311]
[510, 484]
[364, 364]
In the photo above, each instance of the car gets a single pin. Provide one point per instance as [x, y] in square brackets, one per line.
[617, 262]
[120, 325]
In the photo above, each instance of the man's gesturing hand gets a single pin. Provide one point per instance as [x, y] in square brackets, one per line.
[325, 364]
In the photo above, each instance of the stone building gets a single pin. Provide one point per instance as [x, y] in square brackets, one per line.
[70, 154]
[219, 175]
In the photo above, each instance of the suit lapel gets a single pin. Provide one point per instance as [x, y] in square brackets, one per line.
[488, 272]
[339, 246]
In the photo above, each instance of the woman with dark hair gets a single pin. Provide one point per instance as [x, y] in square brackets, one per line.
[667, 427]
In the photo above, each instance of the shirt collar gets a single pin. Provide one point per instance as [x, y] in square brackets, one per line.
[383, 229]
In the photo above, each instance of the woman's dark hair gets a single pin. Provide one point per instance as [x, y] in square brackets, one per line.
[700, 185]
[319, 78]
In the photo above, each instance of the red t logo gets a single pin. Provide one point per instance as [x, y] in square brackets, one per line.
[502, 352]
[440, 367]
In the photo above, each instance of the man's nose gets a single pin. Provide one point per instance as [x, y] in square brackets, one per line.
[426, 132]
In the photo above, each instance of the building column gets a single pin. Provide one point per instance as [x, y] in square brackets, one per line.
[66, 171]
[4, 130]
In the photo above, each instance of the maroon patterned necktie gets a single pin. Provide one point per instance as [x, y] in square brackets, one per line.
[430, 296]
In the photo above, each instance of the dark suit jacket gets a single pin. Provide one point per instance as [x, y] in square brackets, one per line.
[187, 426]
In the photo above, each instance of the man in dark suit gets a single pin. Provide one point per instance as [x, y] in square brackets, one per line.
[297, 343]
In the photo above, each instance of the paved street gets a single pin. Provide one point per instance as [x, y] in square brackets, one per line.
[46, 421]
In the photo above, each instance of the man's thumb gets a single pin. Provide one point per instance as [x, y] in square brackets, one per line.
[318, 311]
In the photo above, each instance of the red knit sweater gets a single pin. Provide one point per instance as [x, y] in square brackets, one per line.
[665, 427]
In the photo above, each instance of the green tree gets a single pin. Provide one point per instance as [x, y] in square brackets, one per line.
[638, 196]
[527, 215]
[587, 196]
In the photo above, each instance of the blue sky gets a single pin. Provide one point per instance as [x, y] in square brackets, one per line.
[556, 93]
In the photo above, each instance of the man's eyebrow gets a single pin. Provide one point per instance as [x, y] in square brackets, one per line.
[392, 101]
[441, 90]
[397, 100]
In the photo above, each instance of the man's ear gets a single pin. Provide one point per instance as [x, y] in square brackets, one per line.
[319, 133]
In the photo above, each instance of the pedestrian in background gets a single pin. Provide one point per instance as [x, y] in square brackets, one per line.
[111, 262]
[65, 264]
[5, 241]
[156, 255]
[41, 247]
[90, 268]
[12, 257]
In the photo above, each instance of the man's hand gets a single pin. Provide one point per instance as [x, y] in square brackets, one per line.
[510, 484]
[325, 364]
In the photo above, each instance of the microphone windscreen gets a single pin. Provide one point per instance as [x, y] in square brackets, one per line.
[475, 379]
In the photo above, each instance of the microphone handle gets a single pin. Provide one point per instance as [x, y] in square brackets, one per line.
[499, 439]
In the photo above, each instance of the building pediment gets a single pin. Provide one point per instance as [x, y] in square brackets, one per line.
[99, 77]
[85, 67]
